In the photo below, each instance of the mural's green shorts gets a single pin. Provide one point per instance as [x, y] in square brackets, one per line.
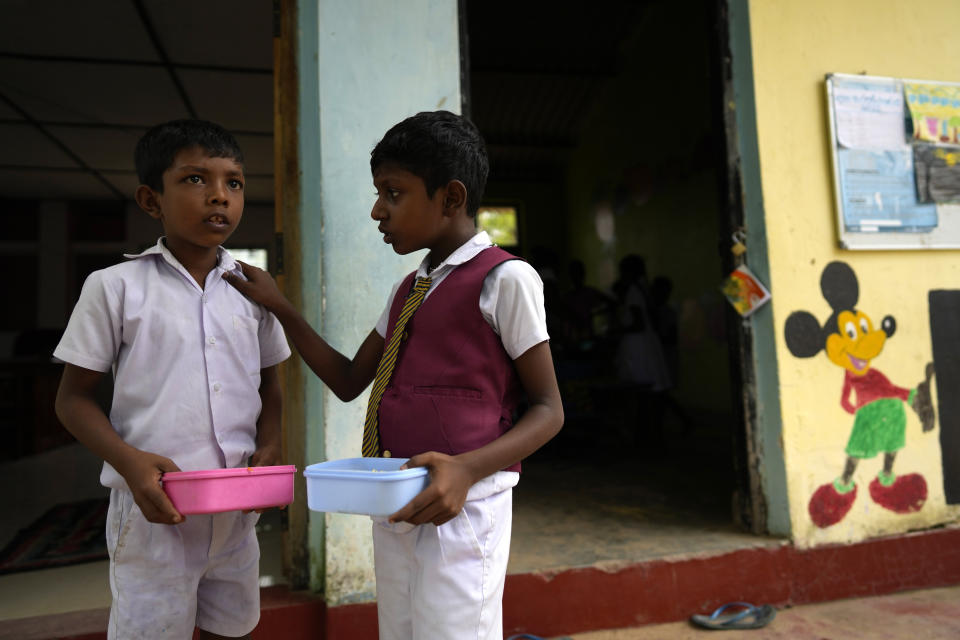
[880, 426]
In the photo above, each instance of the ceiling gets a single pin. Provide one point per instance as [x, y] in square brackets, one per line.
[535, 70]
[81, 81]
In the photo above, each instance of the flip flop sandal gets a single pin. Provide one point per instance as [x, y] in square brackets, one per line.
[750, 617]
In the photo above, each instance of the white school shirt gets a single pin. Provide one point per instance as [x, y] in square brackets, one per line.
[186, 361]
[511, 300]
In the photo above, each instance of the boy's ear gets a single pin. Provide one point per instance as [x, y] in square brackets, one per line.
[455, 197]
[148, 200]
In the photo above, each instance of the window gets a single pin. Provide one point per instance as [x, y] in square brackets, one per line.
[97, 221]
[21, 220]
[20, 290]
[251, 255]
[500, 221]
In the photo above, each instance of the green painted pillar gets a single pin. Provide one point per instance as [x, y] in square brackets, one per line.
[363, 65]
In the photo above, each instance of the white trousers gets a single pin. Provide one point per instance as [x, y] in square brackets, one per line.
[167, 579]
[446, 582]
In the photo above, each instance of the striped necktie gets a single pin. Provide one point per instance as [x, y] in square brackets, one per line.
[371, 426]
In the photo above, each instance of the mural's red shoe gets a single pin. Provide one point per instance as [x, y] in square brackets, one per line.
[906, 494]
[830, 503]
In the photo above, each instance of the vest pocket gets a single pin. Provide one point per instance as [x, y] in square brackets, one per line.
[449, 420]
[448, 392]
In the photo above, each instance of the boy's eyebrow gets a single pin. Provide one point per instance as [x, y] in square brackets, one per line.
[196, 169]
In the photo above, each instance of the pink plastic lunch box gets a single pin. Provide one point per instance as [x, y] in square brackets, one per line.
[216, 490]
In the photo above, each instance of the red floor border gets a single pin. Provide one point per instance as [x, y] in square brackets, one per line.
[670, 590]
[591, 599]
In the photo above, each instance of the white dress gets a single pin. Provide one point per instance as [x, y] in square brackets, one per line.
[640, 358]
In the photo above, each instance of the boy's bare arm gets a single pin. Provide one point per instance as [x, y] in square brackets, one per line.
[346, 378]
[452, 476]
[79, 412]
[269, 443]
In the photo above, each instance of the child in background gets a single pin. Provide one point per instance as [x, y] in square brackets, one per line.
[195, 387]
[447, 387]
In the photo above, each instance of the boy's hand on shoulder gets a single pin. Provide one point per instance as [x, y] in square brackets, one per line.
[259, 286]
[442, 500]
[143, 472]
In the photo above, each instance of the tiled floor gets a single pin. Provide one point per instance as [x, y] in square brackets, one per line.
[575, 509]
[927, 614]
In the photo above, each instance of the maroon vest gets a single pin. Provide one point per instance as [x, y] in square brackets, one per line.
[454, 388]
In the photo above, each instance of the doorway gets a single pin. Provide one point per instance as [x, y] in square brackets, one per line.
[605, 135]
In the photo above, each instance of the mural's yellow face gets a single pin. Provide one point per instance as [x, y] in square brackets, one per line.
[856, 342]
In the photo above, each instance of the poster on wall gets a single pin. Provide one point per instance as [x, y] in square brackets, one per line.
[938, 173]
[869, 115]
[934, 112]
[895, 161]
[879, 192]
[745, 291]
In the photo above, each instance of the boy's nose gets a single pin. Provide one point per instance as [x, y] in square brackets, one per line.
[218, 194]
[377, 212]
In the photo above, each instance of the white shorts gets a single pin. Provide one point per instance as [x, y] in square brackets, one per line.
[168, 579]
[446, 582]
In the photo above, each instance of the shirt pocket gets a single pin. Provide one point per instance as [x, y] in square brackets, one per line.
[246, 335]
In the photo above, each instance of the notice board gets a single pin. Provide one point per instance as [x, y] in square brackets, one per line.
[895, 150]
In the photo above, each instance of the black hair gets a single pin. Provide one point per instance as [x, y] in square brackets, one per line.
[158, 146]
[577, 271]
[660, 289]
[437, 147]
[633, 266]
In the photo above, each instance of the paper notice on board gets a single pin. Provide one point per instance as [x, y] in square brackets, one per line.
[869, 115]
[935, 110]
[879, 194]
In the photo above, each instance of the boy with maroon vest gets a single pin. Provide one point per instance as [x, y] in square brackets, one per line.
[447, 388]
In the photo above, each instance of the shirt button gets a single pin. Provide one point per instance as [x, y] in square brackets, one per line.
[216, 386]
[212, 340]
[387, 454]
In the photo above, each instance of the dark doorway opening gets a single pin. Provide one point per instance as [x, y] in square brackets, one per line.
[605, 131]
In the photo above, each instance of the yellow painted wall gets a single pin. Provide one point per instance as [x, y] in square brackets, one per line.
[794, 44]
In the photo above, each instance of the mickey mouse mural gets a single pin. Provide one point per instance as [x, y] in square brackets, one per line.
[852, 342]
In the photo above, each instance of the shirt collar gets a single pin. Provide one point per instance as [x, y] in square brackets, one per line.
[463, 253]
[225, 262]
